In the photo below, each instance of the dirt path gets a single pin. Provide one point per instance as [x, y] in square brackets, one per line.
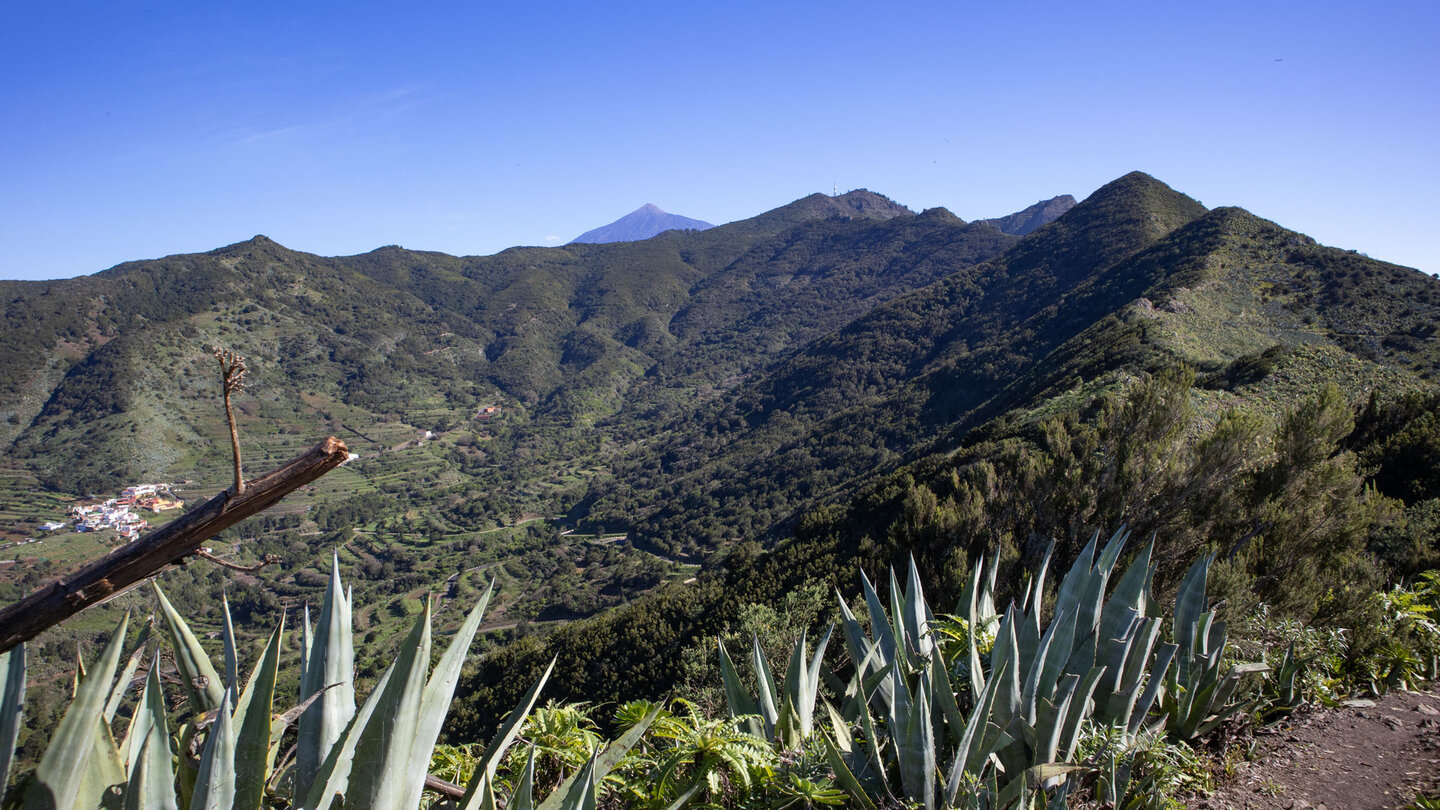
[1352, 758]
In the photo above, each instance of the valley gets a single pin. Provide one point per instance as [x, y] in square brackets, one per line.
[641, 442]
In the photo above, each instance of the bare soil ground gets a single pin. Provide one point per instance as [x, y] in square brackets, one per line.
[1351, 758]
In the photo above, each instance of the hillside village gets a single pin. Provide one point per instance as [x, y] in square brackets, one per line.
[118, 513]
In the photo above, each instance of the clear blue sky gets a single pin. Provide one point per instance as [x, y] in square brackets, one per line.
[136, 130]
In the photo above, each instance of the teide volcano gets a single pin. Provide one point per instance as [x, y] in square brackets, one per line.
[642, 223]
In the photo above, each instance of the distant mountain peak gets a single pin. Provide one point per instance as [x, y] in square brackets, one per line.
[644, 222]
[1042, 213]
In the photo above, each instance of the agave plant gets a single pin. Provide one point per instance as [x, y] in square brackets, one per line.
[1200, 689]
[237, 734]
[1098, 659]
[785, 716]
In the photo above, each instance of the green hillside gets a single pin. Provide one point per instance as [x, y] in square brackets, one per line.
[533, 372]
[642, 440]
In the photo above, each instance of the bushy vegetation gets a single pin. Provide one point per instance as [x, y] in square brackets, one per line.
[1079, 692]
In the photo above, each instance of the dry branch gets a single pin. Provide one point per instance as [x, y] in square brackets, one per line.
[146, 556]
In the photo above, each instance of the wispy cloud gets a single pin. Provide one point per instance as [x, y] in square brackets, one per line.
[367, 109]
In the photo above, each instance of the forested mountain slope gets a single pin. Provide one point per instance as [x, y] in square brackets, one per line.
[1208, 378]
[839, 379]
[862, 397]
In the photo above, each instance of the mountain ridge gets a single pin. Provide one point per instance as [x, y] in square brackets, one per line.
[698, 391]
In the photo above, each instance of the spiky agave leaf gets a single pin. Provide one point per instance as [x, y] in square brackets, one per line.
[81, 762]
[215, 782]
[198, 677]
[123, 683]
[737, 699]
[377, 776]
[152, 779]
[523, 797]
[328, 664]
[232, 654]
[435, 700]
[12, 706]
[254, 754]
[148, 719]
[509, 730]
[330, 779]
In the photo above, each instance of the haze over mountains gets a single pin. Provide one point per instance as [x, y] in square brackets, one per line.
[693, 391]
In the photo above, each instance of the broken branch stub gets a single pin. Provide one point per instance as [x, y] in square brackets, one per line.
[146, 556]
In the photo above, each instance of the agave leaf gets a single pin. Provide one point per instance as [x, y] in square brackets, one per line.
[867, 726]
[1111, 553]
[904, 645]
[1133, 589]
[1051, 716]
[981, 733]
[577, 792]
[12, 706]
[435, 700]
[880, 626]
[283, 720]
[329, 665]
[122, 685]
[1145, 634]
[1065, 625]
[1078, 581]
[197, 675]
[378, 779]
[489, 762]
[737, 699]
[330, 779]
[1076, 714]
[969, 607]
[69, 772]
[1158, 674]
[232, 655]
[215, 784]
[1035, 597]
[152, 781]
[845, 777]
[844, 740]
[307, 633]
[253, 753]
[812, 682]
[1034, 688]
[944, 698]
[485, 798]
[915, 747]
[149, 713]
[790, 726]
[1189, 605]
[1006, 652]
[769, 699]
[917, 617]
[523, 798]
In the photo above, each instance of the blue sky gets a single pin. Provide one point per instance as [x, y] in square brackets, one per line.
[137, 130]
